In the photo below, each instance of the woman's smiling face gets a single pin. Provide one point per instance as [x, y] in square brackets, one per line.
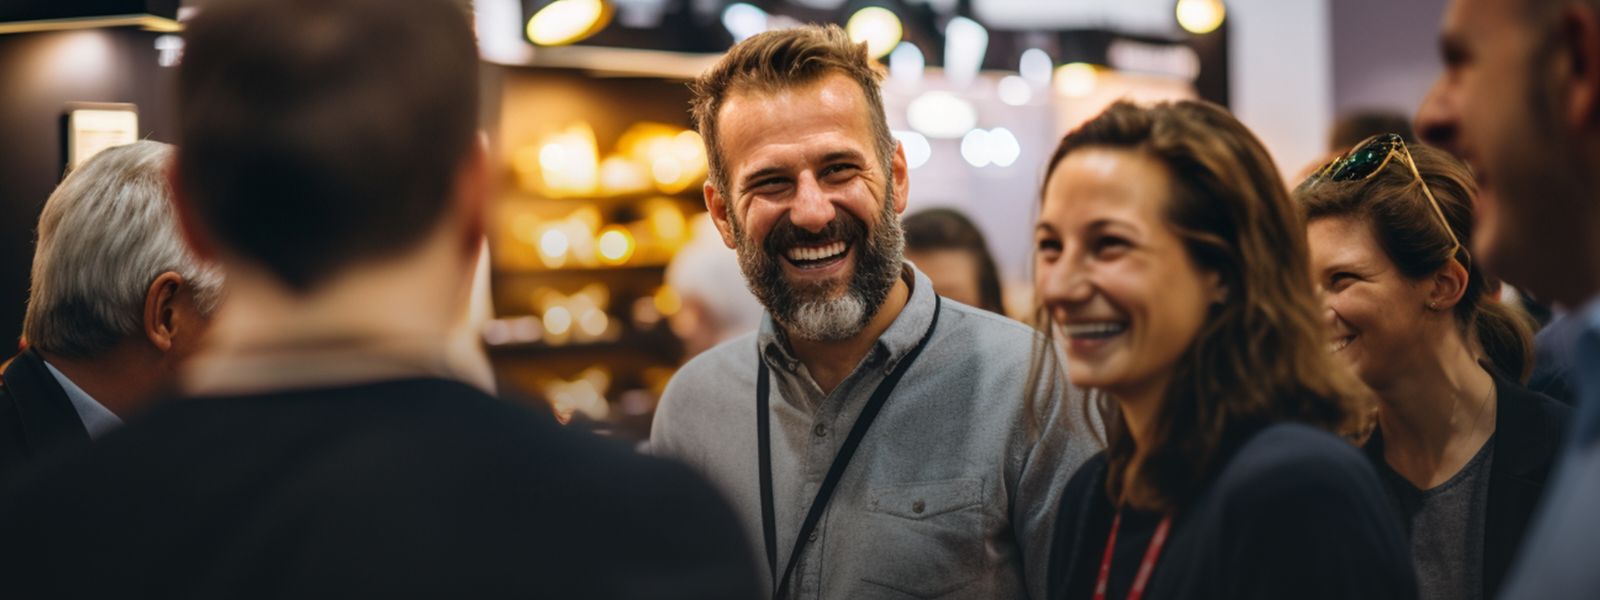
[1126, 296]
[1374, 313]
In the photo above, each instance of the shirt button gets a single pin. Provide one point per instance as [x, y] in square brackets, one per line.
[812, 537]
[821, 430]
[918, 507]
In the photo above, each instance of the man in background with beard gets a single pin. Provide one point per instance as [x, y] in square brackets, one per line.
[953, 490]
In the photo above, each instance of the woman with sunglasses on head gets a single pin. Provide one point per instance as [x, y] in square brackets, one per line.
[1462, 447]
[1171, 266]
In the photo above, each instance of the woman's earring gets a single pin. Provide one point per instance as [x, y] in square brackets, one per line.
[1433, 305]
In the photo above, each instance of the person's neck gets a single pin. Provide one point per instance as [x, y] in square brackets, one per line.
[830, 362]
[125, 379]
[1139, 404]
[1436, 419]
[397, 308]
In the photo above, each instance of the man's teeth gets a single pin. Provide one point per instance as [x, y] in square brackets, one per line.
[817, 253]
[1094, 330]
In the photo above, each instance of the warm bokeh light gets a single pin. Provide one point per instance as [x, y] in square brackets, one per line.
[1076, 80]
[619, 175]
[616, 245]
[569, 162]
[567, 21]
[558, 320]
[553, 246]
[1201, 16]
[878, 27]
[593, 322]
[667, 301]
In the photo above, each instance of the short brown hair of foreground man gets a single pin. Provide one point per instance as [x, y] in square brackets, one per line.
[954, 488]
[330, 162]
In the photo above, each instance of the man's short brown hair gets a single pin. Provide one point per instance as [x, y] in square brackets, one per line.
[314, 134]
[780, 60]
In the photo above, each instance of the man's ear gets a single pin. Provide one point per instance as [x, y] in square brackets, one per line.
[183, 209]
[1448, 285]
[901, 174]
[161, 311]
[718, 206]
[1579, 80]
[472, 191]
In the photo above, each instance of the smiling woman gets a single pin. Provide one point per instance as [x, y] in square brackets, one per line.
[1172, 265]
[1462, 447]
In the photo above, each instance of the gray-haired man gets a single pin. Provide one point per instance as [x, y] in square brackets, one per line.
[117, 300]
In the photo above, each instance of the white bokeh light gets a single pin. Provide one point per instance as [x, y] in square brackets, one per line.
[1036, 66]
[975, 148]
[744, 20]
[1003, 147]
[1015, 90]
[918, 150]
[941, 115]
[906, 64]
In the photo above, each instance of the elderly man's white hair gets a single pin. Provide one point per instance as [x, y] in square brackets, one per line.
[709, 271]
[104, 236]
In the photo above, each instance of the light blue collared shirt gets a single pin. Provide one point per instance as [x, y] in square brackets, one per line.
[97, 419]
[1558, 558]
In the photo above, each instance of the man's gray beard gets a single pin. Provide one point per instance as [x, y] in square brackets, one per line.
[878, 262]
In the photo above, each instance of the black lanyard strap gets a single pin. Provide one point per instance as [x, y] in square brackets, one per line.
[835, 471]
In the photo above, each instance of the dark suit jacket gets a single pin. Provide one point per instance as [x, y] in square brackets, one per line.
[1527, 437]
[36, 417]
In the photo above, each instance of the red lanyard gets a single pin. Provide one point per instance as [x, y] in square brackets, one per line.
[1151, 553]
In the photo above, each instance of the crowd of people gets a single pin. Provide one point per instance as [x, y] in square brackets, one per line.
[239, 378]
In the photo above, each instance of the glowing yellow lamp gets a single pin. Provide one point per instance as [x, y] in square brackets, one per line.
[616, 245]
[1201, 16]
[566, 21]
[878, 27]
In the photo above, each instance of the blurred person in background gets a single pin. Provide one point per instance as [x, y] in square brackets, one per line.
[1358, 126]
[716, 305]
[1463, 448]
[953, 491]
[117, 302]
[946, 246]
[1172, 267]
[330, 160]
[1354, 128]
[1519, 101]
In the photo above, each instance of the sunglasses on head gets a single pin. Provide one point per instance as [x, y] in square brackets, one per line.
[1367, 159]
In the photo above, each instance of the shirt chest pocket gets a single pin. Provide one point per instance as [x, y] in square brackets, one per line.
[929, 537]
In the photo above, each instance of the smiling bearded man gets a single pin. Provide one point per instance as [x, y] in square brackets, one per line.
[818, 310]
[875, 440]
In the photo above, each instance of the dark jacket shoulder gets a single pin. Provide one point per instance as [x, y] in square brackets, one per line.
[420, 488]
[36, 416]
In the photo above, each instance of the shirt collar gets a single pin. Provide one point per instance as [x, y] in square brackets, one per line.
[97, 419]
[901, 336]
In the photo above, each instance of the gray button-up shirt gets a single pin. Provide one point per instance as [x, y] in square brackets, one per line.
[953, 491]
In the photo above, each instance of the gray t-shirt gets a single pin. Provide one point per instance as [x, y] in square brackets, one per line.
[1446, 526]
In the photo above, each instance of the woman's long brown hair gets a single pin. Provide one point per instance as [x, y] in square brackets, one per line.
[1261, 356]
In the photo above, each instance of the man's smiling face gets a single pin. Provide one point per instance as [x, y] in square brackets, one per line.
[810, 205]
